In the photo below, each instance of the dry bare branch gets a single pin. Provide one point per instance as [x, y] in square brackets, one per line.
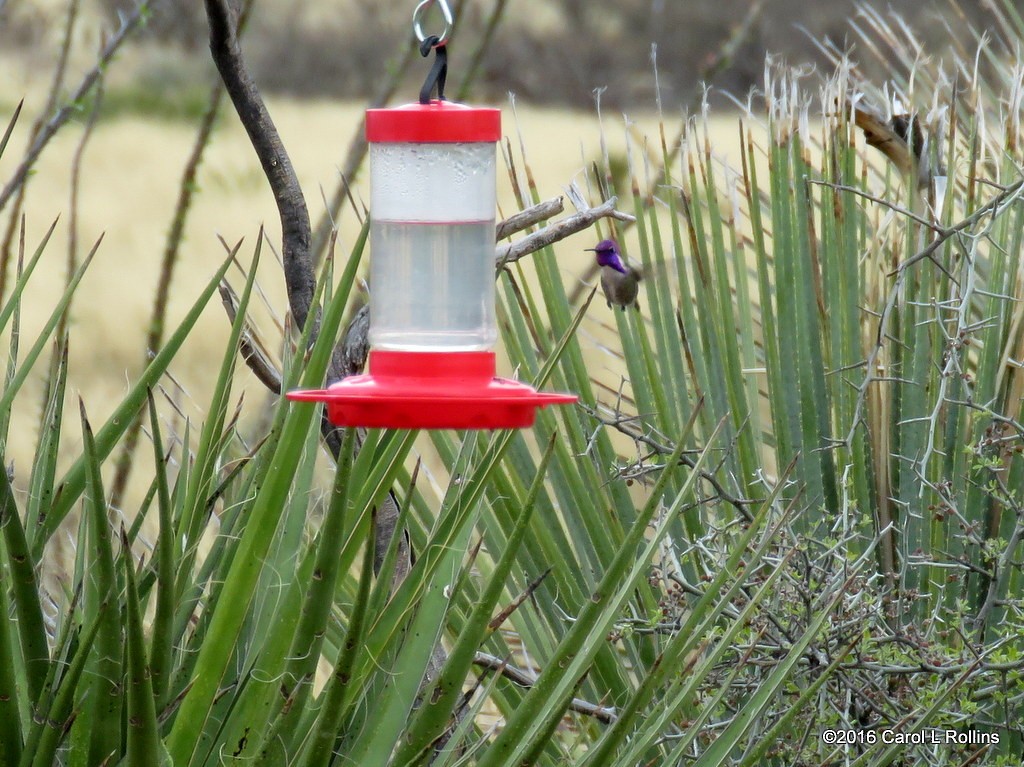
[253, 351]
[1008, 196]
[277, 166]
[625, 425]
[70, 107]
[517, 222]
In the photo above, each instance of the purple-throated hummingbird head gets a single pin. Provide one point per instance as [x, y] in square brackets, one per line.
[607, 252]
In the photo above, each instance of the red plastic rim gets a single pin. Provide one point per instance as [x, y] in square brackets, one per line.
[431, 390]
[438, 122]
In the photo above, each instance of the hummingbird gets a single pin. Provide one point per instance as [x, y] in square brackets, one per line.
[619, 282]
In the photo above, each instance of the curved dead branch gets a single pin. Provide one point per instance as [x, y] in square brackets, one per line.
[277, 166]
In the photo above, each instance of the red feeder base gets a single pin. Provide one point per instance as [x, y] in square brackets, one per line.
[431, 390]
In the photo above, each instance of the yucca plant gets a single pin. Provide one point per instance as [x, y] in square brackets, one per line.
[787, 504]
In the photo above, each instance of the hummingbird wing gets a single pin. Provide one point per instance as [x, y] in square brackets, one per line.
[634, 288]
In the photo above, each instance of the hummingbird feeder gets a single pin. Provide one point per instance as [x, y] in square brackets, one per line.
[433, 326]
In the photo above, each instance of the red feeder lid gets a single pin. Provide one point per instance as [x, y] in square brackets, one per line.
[431, 390]
[434, 123]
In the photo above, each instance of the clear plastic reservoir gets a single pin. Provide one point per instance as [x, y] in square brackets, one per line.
[432, 246]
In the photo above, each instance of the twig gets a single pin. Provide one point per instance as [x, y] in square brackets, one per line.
[505, 612]
[1017, 426]
[70, 107]
[526, 679]
[186, 191]
[926, 667]
[56, 86]
[517, 222]
[620, 425]
[952, 364]
[871, 365]
[886, 203]
[253, 352]
[60, 71]
[997, 582]
[1009, 195]
[510, 253]
[75, 183]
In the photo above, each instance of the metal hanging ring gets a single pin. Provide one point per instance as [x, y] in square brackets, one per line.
[421, 9]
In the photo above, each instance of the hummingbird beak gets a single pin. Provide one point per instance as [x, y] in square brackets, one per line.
[592, 250]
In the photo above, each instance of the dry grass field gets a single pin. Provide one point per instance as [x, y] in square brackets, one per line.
[130, 176]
